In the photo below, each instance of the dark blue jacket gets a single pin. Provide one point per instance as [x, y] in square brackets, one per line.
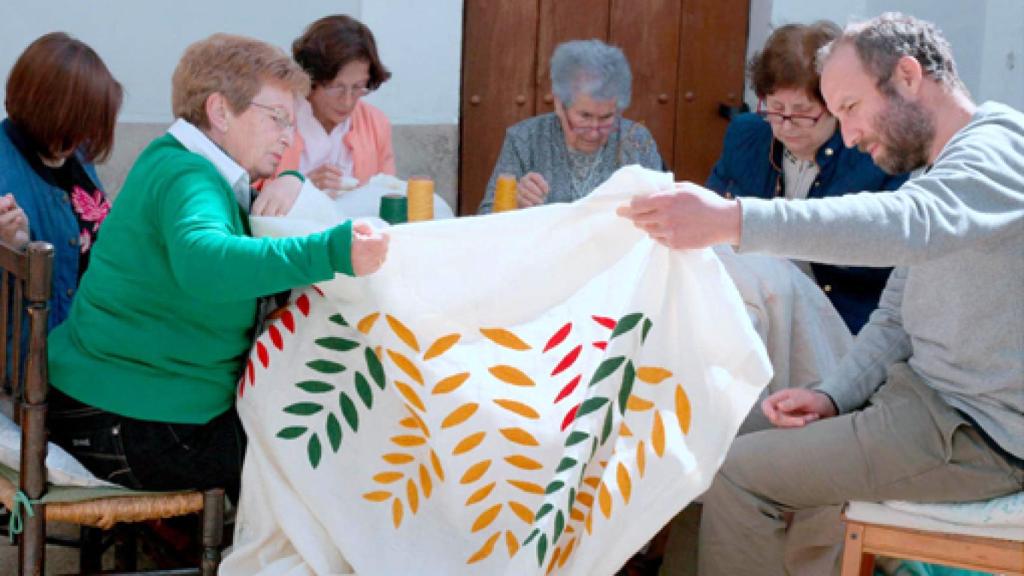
[50, 217]
[751, 165]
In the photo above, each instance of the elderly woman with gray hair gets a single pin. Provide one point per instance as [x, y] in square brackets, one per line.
[563, 156]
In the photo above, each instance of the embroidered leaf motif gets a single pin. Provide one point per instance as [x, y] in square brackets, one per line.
[402, 332]
[658, 435]
[641, 458]
[468, 443]
[625, 484]
[559, 526]
[396, 512]
[486, 518]
[408, 441]
[604, 499]
[451, 383]
[378, 496]
[303, 408]
[474, 472]
[374, 366]
[436, 463]
[628, 376]
[406, 366]
[606, 368]
[519, 436]
[511, 542]
[566, 464]
[503, 337]
[568, 388]
[460, 415]
[441, 345]
[333, 432]
[325, 366]
[315, 386]
[338, 319]
[569, 417]
[398, 458]
[606, 430]
[313, 450]
[567, 361]
[388, 477]
[291, 432]
[547, 507]
[521, 511]
[558, 337]
[366, 324]
[425, 481]
[510, 375]
[480, 494]
[528, 487]
[337, 344]
[638, 404]
[625, 324]
[518, 408]
[576, 437]
[590, 405]
[413, 496]
[652, 374]
[348, 410]
[364, 390]
[520, 461]
[554, 486]
[604, 321]
[683, 409]
[485, 550]
[542, 549]
[534, 534]
[410, 395]
[646, 329]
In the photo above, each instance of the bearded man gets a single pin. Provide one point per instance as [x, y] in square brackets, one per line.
[929, 403]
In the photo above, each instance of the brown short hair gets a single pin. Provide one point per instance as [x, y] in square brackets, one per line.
[234, 66]
[331, 42]
[788, 59]
[61, 95]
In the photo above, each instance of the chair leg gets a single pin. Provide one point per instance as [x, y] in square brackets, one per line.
[32, 546]
[90, 555]
[856, 562]
[125, 548]
[213, 530]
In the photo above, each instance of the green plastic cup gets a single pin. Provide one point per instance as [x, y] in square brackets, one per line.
[394, 208]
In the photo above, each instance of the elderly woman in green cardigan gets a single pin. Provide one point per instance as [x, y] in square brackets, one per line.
[143, 370]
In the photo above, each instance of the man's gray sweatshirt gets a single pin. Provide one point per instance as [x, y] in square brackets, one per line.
[954, 306]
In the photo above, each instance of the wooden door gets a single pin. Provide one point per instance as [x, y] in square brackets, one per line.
[687, 58]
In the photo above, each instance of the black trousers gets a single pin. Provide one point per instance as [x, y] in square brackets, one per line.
[147, 455]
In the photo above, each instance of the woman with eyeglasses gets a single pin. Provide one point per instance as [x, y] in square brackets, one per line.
[563, 156]
[144, 369]
[792, 148]
[341, 140]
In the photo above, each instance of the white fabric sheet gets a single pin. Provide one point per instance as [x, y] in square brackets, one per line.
[553, 388]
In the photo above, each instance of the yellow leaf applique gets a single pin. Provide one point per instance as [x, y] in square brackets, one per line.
[366, 324]
[518, 408]
[511, 375]
[474, 472]
[683, 409]
[484, 550]
[402, 332]
[450, 383]
[519, 436]
[503, 337]
[468, 443]
[441, 345]
[406, 366]
[460, 415]
[652, 375]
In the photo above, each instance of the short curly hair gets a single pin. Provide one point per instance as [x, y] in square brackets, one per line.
[331, 42]
[591, 68]
[234, 66]
[882, 41]
[787, 60]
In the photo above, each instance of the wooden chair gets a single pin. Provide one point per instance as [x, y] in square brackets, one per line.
[874, 529]
[25, 284]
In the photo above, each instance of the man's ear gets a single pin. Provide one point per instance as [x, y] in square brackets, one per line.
[907, 76]
[217, 112]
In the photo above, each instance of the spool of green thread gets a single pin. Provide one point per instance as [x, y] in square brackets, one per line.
[394, 208]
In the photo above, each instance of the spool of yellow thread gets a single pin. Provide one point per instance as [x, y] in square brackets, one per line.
[420, 192]
[505, 193]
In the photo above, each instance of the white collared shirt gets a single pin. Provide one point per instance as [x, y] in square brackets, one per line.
[196, 142]
[320, 147]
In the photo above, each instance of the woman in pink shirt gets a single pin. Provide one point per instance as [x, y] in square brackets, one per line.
[340, 140]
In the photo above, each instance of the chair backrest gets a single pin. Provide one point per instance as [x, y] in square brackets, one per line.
[25, 285]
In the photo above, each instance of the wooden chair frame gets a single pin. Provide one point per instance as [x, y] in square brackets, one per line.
[865, 540]
[25, 284]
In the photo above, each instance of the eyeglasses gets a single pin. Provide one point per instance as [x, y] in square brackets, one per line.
[343, 91]
[798, 120]
[279, 116]
[603, 126]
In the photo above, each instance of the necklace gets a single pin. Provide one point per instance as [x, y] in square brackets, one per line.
[583, 173]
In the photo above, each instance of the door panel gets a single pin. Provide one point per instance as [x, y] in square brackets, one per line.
[561, 21]
[711, 66]
[648, 32]
[498, 87]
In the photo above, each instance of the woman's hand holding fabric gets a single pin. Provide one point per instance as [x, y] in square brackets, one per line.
[277, 197]
[369, 249]
[13, 222]
[328, 178]
[532, 190]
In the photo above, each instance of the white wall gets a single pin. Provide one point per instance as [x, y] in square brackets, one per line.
[987, 35]
[141, 42]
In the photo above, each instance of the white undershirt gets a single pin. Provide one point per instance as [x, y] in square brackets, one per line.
[798, 175]
[320, 147]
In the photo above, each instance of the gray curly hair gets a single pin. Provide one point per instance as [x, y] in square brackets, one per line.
[882, 41]
[591, 68]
